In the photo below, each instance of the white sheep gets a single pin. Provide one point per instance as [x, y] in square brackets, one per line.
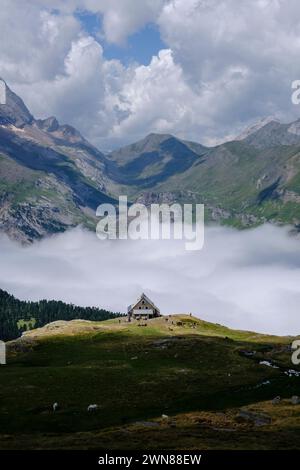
[276, 400]
[92, 407]
[295, 400]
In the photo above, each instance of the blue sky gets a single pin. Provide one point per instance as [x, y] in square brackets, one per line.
[139, 47]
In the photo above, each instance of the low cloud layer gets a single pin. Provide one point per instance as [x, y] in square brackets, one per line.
[247, 280]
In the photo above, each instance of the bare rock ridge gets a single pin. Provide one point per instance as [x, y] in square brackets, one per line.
[14, 111]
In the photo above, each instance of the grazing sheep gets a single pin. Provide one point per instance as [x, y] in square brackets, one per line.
[276, 400]
[92, 407]
[295, 400]
[55, 406]
[165, 416]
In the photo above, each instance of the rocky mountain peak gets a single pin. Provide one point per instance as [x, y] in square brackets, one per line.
[151, 142]
[14, 111]
[257, 126]
[294, 128]
[50, 124]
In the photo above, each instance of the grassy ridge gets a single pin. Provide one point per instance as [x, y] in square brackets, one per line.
[16, 316]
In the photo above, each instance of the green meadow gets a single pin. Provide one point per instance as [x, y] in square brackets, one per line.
[200, 376]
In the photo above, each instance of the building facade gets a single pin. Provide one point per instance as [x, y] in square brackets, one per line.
[143, 309]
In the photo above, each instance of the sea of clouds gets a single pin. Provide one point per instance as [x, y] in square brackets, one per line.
[243, 279]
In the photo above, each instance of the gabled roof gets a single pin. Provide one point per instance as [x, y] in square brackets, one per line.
[143, 297]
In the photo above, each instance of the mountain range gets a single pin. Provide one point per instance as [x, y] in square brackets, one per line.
[52, 178]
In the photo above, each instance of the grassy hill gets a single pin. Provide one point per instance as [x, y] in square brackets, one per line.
[17, 316]
[242, 185]
[206, 378]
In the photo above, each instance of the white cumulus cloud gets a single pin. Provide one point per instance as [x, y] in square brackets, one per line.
[225, 65]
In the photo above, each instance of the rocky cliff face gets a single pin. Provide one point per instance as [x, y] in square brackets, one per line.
[14, 111]
[51, 178]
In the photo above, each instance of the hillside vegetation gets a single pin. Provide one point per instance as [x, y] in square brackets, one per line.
[206, 379]
[17, 316]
